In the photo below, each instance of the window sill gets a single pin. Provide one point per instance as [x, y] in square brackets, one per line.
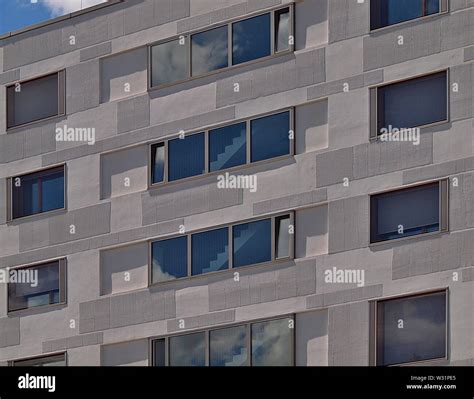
[403, 24]
[36, 310]
[403, 239]
[36, 216]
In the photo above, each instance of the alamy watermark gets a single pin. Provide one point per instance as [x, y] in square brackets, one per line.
[71, 134]
[391, 133]
[247, 182]
[19, 276]
[345, 276]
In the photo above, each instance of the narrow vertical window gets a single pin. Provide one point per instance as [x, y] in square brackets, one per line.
[282, 236]
[158, 163]
[282, 30]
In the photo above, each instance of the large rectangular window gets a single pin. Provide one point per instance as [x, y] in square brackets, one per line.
[39, 285]
[390, 12]
[35, 99]
[230, 146]
[38, 192]
[44, 361]
[411, 329]
[233, 43]
[193, 254]
[262, 343]
[408, 212]
[411, 103]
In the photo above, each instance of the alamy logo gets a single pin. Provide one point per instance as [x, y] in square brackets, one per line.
[37, 382]
[19, 276]
[71, 134]
[403, 134]
[345, 276]
[239, 181]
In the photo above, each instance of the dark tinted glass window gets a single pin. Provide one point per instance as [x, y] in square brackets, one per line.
[229, 347]
[38, 192]
[252, 243]
[47, 361]
[405, 212]
[270, 136]
[210, 251]
[210, 50]
[282, 236]
[227, 147]
[251, 39]
[389, 12]
[169, 62]
[33, 100]
[272, 343]
[411, 329]
[159, 351]
[158, 159]
[186, 157]
[188, 350]
[36, 286]
[413, 103]
[282, 30]
[170, 259]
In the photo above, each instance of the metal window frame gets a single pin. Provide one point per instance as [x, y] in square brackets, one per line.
[374, 329]
[35, 359]
[373, 102]
[206, 131]
[188, 36]
[62, 265]
[61, 77]
[443, 210]
[229, 226]
[208, 330]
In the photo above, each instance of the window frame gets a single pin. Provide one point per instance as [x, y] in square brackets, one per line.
[444, 200]
[229, 226]
[444, 8]
[61, 75]
[32, 360]
[63, 291]
[230, 66]
[207, 331]
[374, 330]
[9, 181]
[206, 131]
[373, 103]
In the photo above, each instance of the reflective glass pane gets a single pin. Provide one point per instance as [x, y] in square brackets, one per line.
[209, 50]
[52, 191]
[272, 343]
[188, 350]
[229, 347]
[186, 157]
[227, 147]
[169, 62]
[170, 259]
[158, 159]
[252, 243]
[251, 39]
[270, 136]
[159, 350]
[389, 12]
[282, 236]
[411, 329]
[47, 361]
[210, 251]
[282, 30]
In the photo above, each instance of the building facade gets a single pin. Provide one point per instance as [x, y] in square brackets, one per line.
[231, 182]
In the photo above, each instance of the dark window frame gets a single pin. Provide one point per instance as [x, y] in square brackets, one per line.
[374, 329]
[207, 331]
[32, 361]
[229, 227]
[61, 75]
[206, 131]
[443, 9]
[10, 182]
[374, 134]
[188, 35]
[62, 265]
[443, 210]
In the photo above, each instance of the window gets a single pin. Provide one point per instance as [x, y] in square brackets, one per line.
[411, 103]
[209, 50]
[169, 258]
[234, 43]
[230, 146]
[408, 212]
[263, 343]
[270, 136]
[169, 62]
[390, 12]
[37, 192]
[188, 350]
[186, 157]
[254, 242]
[45, 361]
[35, 286]
[423, 336]
[36, 99]
[210, 251]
